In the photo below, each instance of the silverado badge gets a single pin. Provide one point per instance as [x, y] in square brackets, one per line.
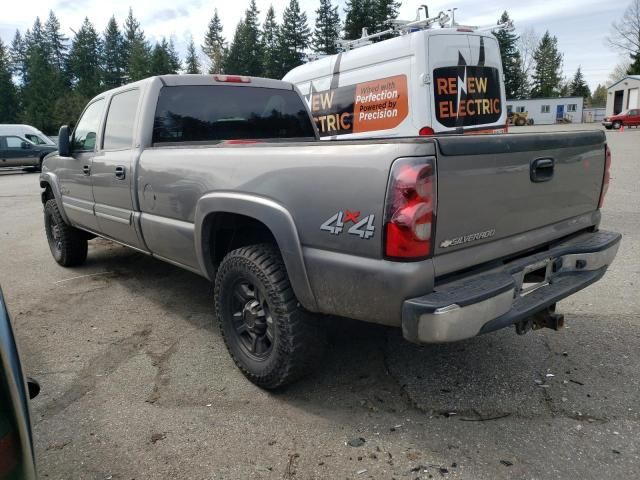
[467, 238]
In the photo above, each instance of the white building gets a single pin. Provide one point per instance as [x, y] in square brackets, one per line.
[545, 111]
[623, 95]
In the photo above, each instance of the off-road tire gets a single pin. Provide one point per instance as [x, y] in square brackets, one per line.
[298, 338]
[68, 245]
[521, 122]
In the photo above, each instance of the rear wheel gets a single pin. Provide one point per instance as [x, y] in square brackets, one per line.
[521, 122]
[269, 335]
[68, 245]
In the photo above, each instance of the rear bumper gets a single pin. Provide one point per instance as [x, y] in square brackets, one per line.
[483, 302]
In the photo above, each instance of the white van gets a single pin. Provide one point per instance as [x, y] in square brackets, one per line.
[429, 81]
[32, 134]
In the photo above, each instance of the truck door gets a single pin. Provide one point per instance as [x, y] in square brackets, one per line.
[113, 170]
[467, 87]
[74, 174]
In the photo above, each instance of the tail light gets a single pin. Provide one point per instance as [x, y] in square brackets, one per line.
[607, 175]
[410, 209]
[426, 132]
[231, 79]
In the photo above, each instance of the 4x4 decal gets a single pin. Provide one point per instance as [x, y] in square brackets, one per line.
[363, 228]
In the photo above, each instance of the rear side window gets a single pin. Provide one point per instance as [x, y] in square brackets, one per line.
[13, 142]
[118, 131]
[223, 112]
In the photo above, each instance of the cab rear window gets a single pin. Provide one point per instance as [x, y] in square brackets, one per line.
[212, 113]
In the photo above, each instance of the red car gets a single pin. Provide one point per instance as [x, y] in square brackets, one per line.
[628, 118]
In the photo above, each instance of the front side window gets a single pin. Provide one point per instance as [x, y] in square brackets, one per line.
[545, 108]
[34, 139]
[118, 131]
[223, 112]
[86, 132]
[14, 142]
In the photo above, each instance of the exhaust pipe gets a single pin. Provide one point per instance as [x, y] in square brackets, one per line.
[547, 318]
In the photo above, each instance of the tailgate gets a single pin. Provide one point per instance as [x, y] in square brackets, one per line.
[497, 186]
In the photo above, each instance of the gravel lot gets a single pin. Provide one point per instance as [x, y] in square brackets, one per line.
[137, 384]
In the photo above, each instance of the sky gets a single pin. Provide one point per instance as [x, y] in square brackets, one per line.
[581, 26]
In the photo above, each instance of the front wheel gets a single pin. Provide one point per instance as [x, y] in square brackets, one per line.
[616, 125]
[68, 245]
[269, 335]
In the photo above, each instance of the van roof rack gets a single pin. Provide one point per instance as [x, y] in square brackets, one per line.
[403, 27]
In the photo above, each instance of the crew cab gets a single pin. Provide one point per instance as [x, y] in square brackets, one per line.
[16, 151]
[628, 118]
[225, 176]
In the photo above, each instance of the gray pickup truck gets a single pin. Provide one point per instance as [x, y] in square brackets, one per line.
[446, 237]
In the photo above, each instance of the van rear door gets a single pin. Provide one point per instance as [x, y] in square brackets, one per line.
[467, 87]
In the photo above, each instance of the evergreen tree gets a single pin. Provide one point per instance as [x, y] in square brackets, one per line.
[294, 36]
[634, 68]
[514, 78]
[192, 63]
[327, 30]
[56, 42]
[245, 52]
[234, 57]
[9, 105]
[164, 58]
[137, 51]
[359, 14]
[113, 61]
[215, 45]
[18, 55]
[578, 87]
[174, 57]
[37, 95]
[599, 97]
[547, 76]
[84, 60]
[385, 12]
[271, 66]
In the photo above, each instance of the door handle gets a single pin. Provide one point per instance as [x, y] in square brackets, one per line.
[121, 172]
[541, 170]
[86, 170]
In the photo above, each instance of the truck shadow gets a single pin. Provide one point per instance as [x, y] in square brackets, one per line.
[588, 371]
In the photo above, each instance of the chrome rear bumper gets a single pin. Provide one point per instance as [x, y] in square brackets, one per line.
[483, 302]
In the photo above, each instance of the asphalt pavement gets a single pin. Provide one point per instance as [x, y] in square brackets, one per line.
[137, 383]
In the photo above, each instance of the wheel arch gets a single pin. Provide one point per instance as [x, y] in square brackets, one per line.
[266, 220]
[49, 181]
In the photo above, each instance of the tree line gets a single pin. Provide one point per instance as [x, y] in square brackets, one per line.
[46, 77]
[541, 76]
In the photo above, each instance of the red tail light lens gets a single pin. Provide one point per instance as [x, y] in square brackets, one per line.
[410, 209]
[426, 132]
[231, 79]
[607, 175]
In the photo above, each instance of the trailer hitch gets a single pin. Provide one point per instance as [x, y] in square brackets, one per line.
[546, 318]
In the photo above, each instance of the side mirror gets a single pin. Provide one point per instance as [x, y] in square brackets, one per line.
[64, 142]
[25, 145]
